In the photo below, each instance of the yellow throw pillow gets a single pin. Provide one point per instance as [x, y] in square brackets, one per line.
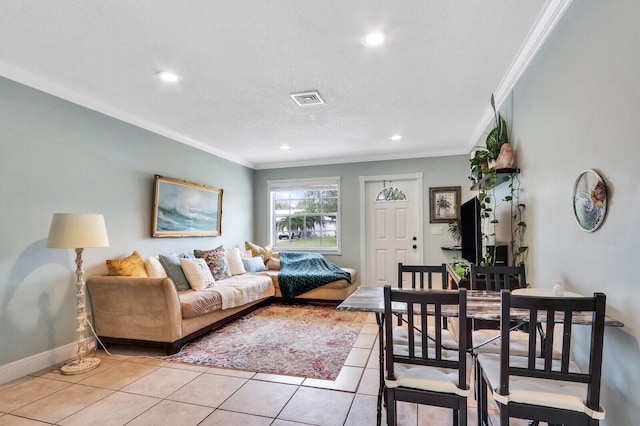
[265, 251]
[132, 266]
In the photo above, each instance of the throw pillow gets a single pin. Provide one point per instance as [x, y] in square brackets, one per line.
[273, 264]
[235, 261]
[197, 272]
[254, 264]
[246, 254]
[217, 261]
[154, 268]
[265, 251]
[132, 266]
[171, 264]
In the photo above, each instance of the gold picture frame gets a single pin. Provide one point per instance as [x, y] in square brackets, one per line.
[444, 203]
[185, 209]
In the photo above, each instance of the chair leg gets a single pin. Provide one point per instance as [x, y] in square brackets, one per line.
[391, 406]
[504, 414]
[463, 412]
[482, 401]
[455, 417]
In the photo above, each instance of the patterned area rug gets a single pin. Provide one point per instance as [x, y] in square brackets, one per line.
[296, 340]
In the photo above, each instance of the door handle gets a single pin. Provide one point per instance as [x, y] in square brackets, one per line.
[415, 246]
[415, 238]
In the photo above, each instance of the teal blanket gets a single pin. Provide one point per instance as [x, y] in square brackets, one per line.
[304, 271]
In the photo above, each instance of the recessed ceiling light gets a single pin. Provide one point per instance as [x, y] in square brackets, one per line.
[284, 147]
[396, 137]
[167, 76]
[373, 39]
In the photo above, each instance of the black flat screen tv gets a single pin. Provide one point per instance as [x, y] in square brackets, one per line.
[471, 231]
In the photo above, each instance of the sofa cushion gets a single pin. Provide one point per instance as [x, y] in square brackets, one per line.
[254, 264]
[217, 261]
[197, 273]
[257, 250]
[235, 261]
[273, 264]
[154, 268]
[131, 266]
[194, 303]
[171, 264]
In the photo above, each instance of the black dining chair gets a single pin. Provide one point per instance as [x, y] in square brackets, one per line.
[485, 336]
[544, 388]
[421, 277]
[423, 371]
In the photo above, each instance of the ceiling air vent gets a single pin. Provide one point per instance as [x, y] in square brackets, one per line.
[307, 98]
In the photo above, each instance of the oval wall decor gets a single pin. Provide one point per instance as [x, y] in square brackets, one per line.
[589, 200]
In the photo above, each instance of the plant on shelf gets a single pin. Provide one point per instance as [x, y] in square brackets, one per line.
[489, 204]
[454, 230]
[479, 162]
[499, 135]
[496, 138]
[460, 266]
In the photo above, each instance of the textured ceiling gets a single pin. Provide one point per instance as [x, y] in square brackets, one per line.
[239, 60]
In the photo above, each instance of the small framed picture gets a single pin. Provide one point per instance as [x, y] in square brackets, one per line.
[444, 202]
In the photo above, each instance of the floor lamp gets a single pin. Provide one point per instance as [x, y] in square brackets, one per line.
[78, 231]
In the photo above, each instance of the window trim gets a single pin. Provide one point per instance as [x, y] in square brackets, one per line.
[287, 184]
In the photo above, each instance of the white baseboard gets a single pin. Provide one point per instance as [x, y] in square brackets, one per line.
[37, 362]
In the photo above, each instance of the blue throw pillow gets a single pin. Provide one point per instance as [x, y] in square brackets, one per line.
[171, 264]
[254, 264]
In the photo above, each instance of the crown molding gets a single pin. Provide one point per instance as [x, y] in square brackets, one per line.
[548, 19]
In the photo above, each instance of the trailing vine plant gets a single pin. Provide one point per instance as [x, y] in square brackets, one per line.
[518, 227]
[488, 207]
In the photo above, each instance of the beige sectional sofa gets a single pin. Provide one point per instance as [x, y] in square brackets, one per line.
[152, 312]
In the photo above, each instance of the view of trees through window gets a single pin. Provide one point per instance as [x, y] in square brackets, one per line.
[305, 217]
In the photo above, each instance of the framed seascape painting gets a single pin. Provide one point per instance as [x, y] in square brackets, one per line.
[444, 202]
[185, 209]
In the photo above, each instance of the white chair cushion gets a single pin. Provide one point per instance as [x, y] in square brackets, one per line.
[518, 343]
[430, 378]
[401, 337]
[542, 392]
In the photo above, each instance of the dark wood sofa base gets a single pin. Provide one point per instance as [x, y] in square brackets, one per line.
[171, 348]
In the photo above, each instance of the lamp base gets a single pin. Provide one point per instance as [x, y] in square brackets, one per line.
[79, 366]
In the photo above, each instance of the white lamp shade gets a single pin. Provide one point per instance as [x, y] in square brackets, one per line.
[71, 230]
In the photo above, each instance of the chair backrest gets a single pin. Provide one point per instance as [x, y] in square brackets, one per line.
[423, 349]
[555, 312]
[497, 278]
[420, 272]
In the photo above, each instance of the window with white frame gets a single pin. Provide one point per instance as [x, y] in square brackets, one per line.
[305, 214]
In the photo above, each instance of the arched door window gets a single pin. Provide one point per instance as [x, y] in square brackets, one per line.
[391, 193]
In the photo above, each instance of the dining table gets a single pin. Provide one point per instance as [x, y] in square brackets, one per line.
[481, 305]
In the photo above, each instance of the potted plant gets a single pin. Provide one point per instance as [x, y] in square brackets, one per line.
[479, 162]
[499, 135]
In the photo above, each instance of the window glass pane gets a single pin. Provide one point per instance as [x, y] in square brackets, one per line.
[391, 193]
[305, 214]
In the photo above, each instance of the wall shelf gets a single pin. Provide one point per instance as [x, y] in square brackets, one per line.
[485, 180]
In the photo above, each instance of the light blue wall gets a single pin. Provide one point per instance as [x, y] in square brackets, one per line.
[576, 108]
[438, 171]
[58, 157]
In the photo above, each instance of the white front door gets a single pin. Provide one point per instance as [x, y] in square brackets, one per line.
[392, 230]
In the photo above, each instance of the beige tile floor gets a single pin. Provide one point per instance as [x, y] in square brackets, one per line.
[130, 389]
